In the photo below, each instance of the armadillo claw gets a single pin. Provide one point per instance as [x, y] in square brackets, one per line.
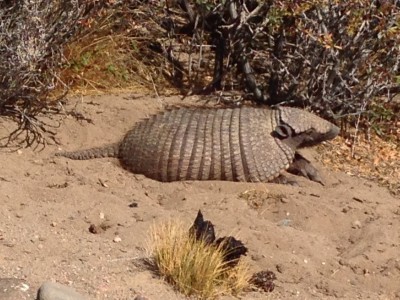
[282, 179]
[302, 167]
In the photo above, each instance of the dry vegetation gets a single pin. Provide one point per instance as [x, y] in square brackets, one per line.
[334, 57]
[192, 266]
[33, 35]
[114, 53]
[368, 157]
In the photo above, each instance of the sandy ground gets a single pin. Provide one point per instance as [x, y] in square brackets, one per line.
[337, 241]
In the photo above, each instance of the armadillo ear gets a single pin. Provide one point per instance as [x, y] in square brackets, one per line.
[283, 131]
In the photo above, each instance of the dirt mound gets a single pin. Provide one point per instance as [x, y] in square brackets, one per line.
[340, 240]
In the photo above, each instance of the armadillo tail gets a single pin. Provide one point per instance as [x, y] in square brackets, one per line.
[111, 150]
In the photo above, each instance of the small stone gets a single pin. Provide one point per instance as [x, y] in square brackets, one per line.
[343, 262]
[352, 282]
[280, 268]
[95, 229]
[256, 257]
[101, 215]
[56, 291]
[264, 280]
[140, 297]
[53, 224]
[19, 152]
[285, 200]
[102, 183]
[356, 224]
[285, 222]
[117, 239]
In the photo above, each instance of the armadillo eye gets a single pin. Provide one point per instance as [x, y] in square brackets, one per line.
[282, 131]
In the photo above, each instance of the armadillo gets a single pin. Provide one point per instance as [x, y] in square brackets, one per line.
[254, 144]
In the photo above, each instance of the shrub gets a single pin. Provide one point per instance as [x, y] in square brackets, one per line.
[32, 37]
[333, 56]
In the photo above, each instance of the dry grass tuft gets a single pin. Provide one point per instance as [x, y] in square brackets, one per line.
[193, 267]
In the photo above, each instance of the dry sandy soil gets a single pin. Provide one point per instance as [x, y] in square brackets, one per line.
[341, 240]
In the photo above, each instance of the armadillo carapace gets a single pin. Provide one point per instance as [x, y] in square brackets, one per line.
[237, 144]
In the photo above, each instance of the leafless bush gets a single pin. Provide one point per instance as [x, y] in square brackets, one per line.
[32, 36]
[334, 56]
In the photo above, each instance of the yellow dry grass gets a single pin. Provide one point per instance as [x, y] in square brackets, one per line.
[191, 266]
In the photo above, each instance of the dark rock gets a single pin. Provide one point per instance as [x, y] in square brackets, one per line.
[56, 291]
[140, 297]
[233, 249]
[264, 280]
[202, 230]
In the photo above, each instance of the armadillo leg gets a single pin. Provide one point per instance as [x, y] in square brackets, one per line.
[302, 167]
[282, 179]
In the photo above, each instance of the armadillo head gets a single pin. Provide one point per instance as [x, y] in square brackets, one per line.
[304, 129]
